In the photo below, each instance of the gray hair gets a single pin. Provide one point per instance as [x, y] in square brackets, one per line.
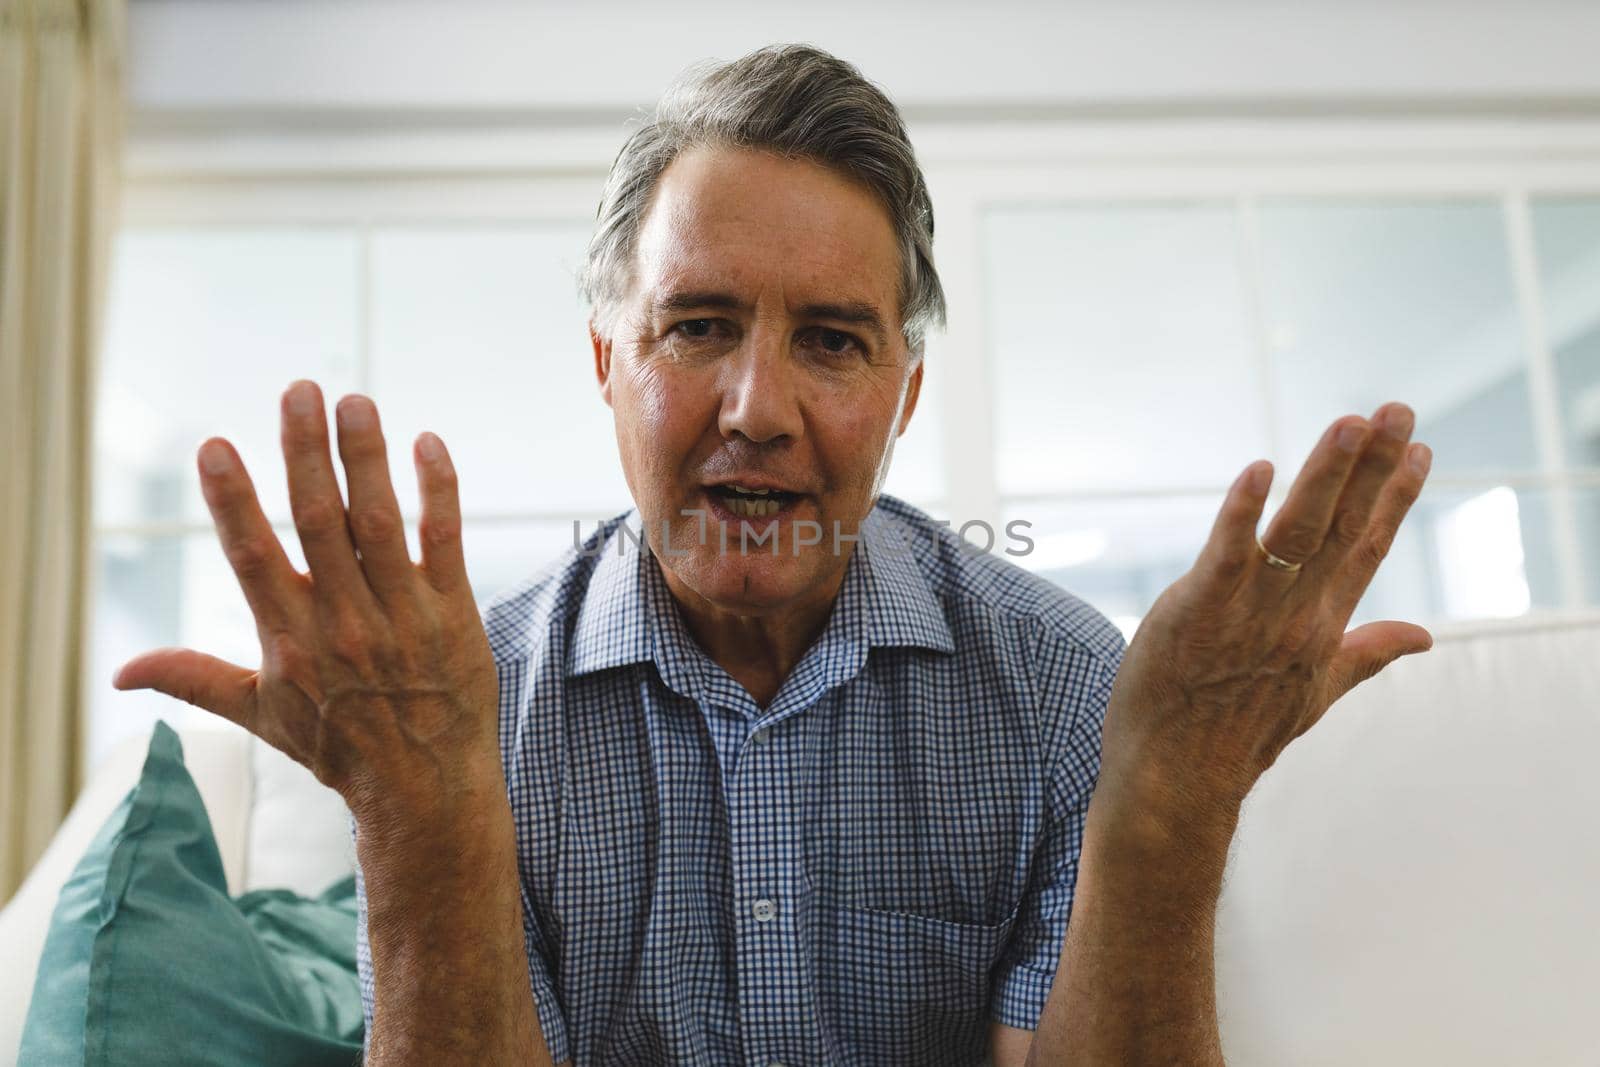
[799, 102]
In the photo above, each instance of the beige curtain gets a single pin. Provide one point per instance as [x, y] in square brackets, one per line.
[60, 137]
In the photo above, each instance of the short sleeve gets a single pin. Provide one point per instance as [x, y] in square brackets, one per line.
[363, 953]
[551, 1021]
[1075, 687]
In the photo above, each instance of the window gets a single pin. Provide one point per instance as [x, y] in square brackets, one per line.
[1143, 352]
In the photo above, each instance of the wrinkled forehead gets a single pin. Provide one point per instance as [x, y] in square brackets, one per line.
[727, 220]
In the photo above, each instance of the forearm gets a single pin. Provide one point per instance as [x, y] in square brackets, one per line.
[444, 925]
[1135, 983]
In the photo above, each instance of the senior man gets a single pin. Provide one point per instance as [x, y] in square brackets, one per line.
[741, 793]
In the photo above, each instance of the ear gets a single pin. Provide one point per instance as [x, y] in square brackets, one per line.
[602, 361]
[913, 390]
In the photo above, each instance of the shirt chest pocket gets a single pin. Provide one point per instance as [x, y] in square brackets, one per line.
[906, 988]
[915, 823]
[966, 867]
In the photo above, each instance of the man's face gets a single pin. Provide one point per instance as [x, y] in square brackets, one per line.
[760, 349]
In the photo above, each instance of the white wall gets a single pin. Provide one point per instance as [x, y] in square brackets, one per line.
[331, 55]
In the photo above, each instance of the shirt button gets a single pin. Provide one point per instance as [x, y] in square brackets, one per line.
[760, 736]
[763, 910]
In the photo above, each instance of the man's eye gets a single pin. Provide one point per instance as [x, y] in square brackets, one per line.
[696, 329]
[836, 342]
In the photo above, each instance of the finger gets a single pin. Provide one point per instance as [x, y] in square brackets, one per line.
[375, 521]
[220, 687]
[439, 530]
[1230, 551]
[314, 498]
[266, 576]
[1367, 650]
[1298, 529]
[1394, 503]
[1377, 464]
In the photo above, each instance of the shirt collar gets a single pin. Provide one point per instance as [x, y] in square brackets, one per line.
[613, 627]
[627, 599]
[904, 610]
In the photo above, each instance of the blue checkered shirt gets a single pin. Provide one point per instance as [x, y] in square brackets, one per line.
[866, 871]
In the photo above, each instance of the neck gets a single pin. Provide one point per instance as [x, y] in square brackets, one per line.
[757, 650]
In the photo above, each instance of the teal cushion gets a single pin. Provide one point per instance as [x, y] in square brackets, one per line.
[148, 960]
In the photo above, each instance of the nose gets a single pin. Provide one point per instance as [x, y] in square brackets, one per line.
[760, 389]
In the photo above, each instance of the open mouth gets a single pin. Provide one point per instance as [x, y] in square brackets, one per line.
[743, 503]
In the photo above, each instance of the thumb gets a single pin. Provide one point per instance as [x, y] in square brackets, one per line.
[216, 685]
[1368, 649]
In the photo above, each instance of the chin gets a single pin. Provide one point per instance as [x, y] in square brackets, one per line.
[747, 585]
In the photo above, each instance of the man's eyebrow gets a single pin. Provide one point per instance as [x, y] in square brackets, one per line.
[691, 300]
[854, 312]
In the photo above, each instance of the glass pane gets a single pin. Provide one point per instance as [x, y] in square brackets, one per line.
[480, 336]
[137, 608]
[1116, 553]
[205, 328]
[1567, 233]
[1122, 354]
[1467, 554]
[1372, 301]
[160, 591]
[1585, 505]
[503, 554]
[1463, 554]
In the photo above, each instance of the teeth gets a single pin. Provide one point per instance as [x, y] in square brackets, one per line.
[751, 492]
[754, 509]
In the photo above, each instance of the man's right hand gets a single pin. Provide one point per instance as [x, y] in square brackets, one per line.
[377, 675]
[375, 671]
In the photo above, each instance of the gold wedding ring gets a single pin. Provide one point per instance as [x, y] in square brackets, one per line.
[1276, 562]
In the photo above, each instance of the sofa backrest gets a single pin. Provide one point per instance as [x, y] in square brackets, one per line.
[298, 836]
[1415, 881]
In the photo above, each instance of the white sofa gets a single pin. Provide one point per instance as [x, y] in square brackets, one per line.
[1417, 881]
